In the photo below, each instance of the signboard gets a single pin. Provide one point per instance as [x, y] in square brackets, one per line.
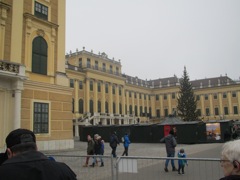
[213, 131]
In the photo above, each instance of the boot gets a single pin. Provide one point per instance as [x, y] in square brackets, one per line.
[93, 164]
[102, 164]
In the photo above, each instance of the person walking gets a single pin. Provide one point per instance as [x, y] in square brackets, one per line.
[126, 143]
[26, 162]
[230, 160]
[181, 162]
[90, 149]
[97, 149]
[113, 143]
[170, 143]
[101, 151]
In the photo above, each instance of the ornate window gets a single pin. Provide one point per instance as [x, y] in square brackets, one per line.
[39, 55]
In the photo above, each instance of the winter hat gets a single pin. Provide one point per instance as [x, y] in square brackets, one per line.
[19, 137]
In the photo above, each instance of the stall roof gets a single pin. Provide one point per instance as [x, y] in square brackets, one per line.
[175, 120]
[218, 121]
[172, 120]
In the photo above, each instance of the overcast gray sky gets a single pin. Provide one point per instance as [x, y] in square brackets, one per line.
[157, 38]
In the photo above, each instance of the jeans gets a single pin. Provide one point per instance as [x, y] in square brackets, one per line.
[114, 151]
[125, 151]
[172, 161]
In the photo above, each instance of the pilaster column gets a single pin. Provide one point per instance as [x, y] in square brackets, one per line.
[143, 107]
[3, 17]
[103, 98]
[229, 96]
[211, 104]
[17, 109]
[147, 97]
[87, 89]
[110, 99]
[133, 104]
[169, 104]
[127, 98]
[161, 105]
[138, 105]
[117, 99]
[76, 98]
[95, 102]
[202, 105]
[220, 104]
[123, 101]
[153, 106]
[16, 34]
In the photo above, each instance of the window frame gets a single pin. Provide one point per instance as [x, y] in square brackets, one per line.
[41, 11]
[71, 83]
[42, 115]
[39, 56]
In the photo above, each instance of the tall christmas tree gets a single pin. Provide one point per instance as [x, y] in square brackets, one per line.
[187, 103]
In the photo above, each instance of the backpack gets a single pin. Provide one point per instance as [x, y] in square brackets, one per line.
[123, 139]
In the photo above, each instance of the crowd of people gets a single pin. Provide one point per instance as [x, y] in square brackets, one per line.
[95, 148]
[23, 158]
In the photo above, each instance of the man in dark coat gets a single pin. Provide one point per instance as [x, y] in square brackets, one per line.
[25, 162]
[113, 143]
[90, 149]
[170, 143]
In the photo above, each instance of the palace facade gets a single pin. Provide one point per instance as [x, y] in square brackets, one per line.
[103, 95]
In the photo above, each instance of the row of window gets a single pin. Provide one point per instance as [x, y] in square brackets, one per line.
[107, 89]
[165, 96]
[97, 67]
[207, 111]
[215, 96]
[216, 111]
[91, 105]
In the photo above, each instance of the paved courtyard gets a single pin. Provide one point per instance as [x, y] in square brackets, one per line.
[146, 168]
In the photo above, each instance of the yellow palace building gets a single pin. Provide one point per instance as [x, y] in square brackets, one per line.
[101, 94]
[44, 90]
[34, 87]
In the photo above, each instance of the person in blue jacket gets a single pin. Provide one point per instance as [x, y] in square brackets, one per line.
[126, 143]
[181, 162]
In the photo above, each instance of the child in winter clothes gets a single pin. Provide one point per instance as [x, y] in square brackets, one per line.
[102, 152]
[126, 143]
[181, 162]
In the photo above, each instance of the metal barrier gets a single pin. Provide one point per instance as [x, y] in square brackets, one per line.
[141, 168]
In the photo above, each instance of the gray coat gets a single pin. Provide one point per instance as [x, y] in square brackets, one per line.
[170, 143]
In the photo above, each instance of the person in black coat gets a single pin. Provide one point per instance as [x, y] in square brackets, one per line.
[25, 162]
[113, 143]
